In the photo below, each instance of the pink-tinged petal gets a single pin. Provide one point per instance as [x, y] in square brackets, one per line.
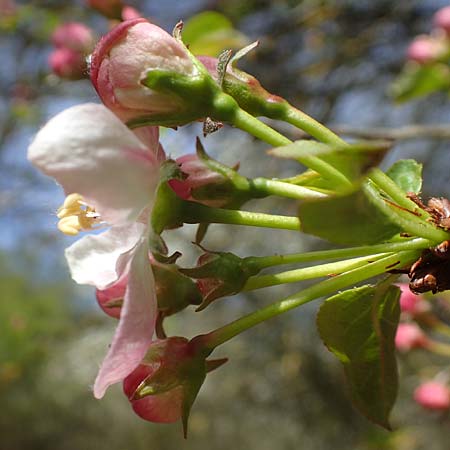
[100, 260]
[149, 136]
[88, 150]
[136, 326]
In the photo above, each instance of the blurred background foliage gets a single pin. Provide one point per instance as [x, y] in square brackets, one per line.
[281, 389]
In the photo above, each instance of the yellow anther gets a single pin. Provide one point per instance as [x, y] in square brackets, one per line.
[75, 215]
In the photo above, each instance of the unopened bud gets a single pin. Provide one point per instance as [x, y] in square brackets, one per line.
[433, 395]
[146, 76]
[442, 19]
[219, 275]
[68, 64]
[411, 303]
[425, 49]
[75, 36]
[410, 336]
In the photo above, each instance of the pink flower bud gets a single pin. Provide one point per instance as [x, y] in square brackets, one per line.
[442, 19]
[163, 388]
[433, 395]
[199, 175]
[425, 49]
[122, 60]
[67, 63]
[109, 8]
[164, 406]
[130, 13]
[75, 36]
[410, 336]
[8, 7]
[411, 303]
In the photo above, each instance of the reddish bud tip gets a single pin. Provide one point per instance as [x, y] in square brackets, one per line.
[433, 395]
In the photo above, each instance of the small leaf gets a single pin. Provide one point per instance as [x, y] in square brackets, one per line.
[407, 175]
[349, 220]
[353, 160]
[209, 32]
[358, 326]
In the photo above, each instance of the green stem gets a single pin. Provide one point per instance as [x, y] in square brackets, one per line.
[307, 273]
[326, 287]
[262, 262]
[439, 348]
[275, 187]
[255, 127]
[311, 126]
[388, 185]
[406, 220]
[198, 213]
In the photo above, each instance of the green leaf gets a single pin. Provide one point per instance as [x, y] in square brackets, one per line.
[417, 81]
[358, 326]
[348, 220]
[209, 32]
[407, 175]
[353, 160]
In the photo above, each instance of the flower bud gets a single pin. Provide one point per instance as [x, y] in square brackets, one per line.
[411, 303]
[109, 8]
[130, 13]
[174, 291]
[209, 182]
[442, 19]
[410, 336]
[425, 49]
[132, 53]
[68, 64]
[219, 275]
[163, 388]
[75, 36]
[433, 395]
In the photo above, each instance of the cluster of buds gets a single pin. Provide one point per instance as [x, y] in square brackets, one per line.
[415, 310]
[429, 48]
[73, 42]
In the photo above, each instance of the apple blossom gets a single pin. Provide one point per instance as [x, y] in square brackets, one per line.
[433, 395]
[125, 57]
[110, 176]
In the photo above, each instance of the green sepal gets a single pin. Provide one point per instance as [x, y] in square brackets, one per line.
[174, 290]
[358, 326]
[223, 273]
[168, 207]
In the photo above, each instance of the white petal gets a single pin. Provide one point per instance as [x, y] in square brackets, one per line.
[99, 260]
[136, 326]
[88, 150]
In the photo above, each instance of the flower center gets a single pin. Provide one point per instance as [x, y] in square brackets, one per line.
[75, 215]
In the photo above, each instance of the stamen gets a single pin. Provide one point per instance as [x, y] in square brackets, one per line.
[76, 215]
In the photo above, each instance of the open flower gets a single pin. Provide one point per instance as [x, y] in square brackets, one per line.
[110, 176]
